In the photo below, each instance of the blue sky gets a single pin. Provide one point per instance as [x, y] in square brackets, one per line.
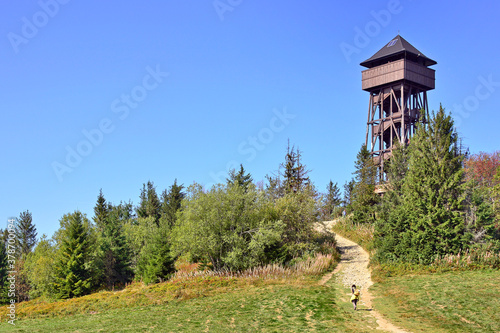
[110, 95]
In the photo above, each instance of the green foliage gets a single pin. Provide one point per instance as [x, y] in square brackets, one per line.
[230, 227]
[25, 232]
[480, 216]
[364, 200]
[348, 194]
[156, 263]
[240, 178]
[422, 216]
[3, 273]
[40, 268]
[150, 245]
[101, 210]
[150, 205]
[298, 213]
[330, 202]
[171, 203]
[73, 274]
[496, 199]
[295, 172]
[115, 253]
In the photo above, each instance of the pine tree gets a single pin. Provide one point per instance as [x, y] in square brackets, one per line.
[116, 254]
[364, 198]
[295, 174]
[73, 278]
[332, 200]
[348, 194]
[25, 232]
[114, 257]
[150, 205]
[171, 203]
[240, 178]
[156, 262]
[101, 211]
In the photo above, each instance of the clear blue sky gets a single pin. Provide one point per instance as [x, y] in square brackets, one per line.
[160, 90]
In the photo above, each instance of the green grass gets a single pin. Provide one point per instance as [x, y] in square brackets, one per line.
[292, 305]
[442, 302]
[452, 295]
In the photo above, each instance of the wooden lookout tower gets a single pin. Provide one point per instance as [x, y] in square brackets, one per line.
[397, 79]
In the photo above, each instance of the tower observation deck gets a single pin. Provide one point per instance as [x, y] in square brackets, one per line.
[398, 78]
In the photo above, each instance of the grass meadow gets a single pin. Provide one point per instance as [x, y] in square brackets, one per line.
[266, 300]
[457, 293]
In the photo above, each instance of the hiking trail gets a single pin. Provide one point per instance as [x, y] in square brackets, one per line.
[353, 269]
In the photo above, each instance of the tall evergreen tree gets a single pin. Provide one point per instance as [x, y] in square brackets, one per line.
[171, 203]
[156, 262]
[101, 211]
[73, 278]
[25, 232]
[150, 205]
[364, 198]
[116, 254]
[240, 178]
[429, 220]
[332, 200]
[348, 193]
[295, 173]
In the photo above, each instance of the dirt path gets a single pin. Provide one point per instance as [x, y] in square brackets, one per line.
[353, 269]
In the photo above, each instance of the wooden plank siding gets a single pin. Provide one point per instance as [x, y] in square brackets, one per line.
[395, 71]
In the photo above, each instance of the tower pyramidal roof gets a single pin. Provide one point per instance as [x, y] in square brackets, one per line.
[396, 49]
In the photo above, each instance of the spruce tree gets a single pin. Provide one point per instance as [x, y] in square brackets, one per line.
[364, 198]
[429, 220]
[171, 203]
[240, 178]
[73, 278]
[156, 262]
[116, 254]
[25, 232]
[332, 200]
[101, 211]
[295, 173]
[348, 194]
[150, 205]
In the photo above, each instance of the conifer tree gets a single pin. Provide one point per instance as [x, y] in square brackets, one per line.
[348, 194]
[150, 205]
[171, 203]
[332, 200]
[101, 211]
[156, 261]
[25, 232]
[428, 221]
[364, 198]
[295, 173]
[240, 178]
[115, 251]
[73, 278]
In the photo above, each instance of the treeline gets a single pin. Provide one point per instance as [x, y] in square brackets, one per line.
[232, 226]
[438, 199]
